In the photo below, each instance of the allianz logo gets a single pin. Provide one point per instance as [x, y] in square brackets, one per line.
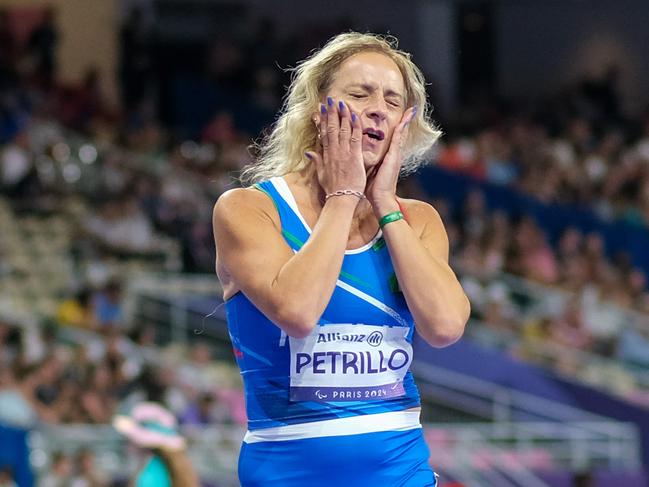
[375, 338]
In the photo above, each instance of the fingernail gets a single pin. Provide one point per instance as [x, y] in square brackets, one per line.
[341, 105]
[412, 115]
[323, 109]
[353, 117]
[308, 156]
[330, 101]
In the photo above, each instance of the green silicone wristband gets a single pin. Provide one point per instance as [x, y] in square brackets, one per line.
[390, 217]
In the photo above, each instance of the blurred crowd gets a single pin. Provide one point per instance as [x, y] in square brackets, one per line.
[575, 147]
[488, 242]
[548, 304]
[138, 182]
[78, 470]
[56, 377]
[601, 290]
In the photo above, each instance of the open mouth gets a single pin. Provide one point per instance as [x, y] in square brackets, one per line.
[374, 134]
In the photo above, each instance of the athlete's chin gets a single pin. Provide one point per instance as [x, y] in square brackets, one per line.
[371, 160]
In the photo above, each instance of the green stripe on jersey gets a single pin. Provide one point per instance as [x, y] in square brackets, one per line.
[379, 244]
[296, 241]
[292, 238]
[394, 284]
[355, 279]
[289, 236]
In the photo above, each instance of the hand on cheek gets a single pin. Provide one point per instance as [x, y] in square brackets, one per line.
[382, 186]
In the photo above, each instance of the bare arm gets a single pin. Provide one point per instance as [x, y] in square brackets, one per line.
[419, 250]
[292, 290]
[434, 295]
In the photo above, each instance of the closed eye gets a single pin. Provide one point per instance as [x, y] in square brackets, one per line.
[356, 95]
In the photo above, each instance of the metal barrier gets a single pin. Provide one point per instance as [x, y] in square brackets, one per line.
[542, 301]
[477, 454]
[213, 450]
[574, 438]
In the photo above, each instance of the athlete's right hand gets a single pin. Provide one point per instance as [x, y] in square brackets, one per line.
[339, 164]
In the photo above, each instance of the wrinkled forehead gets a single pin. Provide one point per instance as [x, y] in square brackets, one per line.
[370, 68]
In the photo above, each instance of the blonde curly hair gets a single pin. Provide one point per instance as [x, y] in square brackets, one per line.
[282, 150]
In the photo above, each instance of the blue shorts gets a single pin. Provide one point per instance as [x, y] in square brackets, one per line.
[386, 459]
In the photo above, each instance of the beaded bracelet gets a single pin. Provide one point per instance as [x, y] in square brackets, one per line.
[390, 217]
[344, 192]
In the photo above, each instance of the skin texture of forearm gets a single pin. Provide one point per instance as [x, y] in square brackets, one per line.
[434, 296]
[304, 285]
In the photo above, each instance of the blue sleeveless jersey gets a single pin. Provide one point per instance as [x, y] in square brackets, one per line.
[366, 298]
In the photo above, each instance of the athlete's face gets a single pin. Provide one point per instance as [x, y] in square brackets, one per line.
[371, 84]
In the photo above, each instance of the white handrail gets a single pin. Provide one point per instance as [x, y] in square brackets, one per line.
[537, 406]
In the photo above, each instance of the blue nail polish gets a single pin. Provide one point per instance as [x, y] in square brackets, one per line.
[353, 117]
[341, 105]
[412, 115]
[330, 101]
[323, 109]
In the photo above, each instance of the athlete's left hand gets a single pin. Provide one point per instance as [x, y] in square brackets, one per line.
[382, 183]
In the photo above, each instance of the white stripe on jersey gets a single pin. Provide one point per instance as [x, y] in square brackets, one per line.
[373, 301]
[353, 425]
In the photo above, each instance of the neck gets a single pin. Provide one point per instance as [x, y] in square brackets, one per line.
[309, 180]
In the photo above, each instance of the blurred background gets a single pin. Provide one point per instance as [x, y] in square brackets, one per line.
[121, 122]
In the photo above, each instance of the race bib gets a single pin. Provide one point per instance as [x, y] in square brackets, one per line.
[349, 362]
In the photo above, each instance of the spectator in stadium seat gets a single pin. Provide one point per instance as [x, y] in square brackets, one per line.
[87, 473]
[15, 406]
[78, 311]
[474, 215]
[122, 227]
[60, 472]
[200, 412]
[47, 388]
[569, 326]
[108, 305]
[636, 286]
[98, 397]
[83, 103]
[17, 175]
[497, 310]
[220, 130]
[6, 477]
[197, 374]
[633, 346]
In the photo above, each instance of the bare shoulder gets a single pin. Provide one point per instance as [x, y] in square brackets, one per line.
[425, 220]
[245, 225]
[243, 203]
[421, 215]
